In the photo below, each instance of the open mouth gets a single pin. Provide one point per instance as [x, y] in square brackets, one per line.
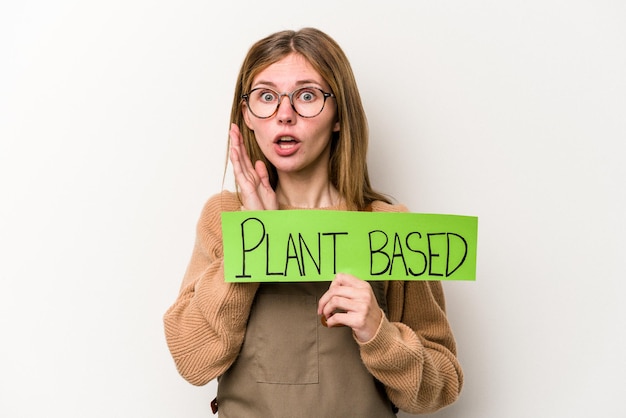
[285, 142]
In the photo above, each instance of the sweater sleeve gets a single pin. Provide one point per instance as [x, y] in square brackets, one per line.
[206, 325]
[413, 353]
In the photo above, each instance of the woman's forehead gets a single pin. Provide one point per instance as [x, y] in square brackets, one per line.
[289, 72]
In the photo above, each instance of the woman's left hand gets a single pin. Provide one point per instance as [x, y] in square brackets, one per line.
[350, 301]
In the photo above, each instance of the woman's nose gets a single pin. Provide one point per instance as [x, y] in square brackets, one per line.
[286, 113]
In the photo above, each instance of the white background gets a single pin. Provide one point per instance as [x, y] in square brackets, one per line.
[113, 124]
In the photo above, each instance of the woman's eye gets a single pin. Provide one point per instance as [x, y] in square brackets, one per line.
[267, 96]
[307, 96]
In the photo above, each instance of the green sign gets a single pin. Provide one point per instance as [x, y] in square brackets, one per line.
[314, 245]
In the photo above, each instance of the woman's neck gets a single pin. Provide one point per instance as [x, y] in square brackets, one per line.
[307, 193]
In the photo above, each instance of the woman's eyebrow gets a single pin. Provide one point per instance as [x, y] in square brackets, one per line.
[298, 83]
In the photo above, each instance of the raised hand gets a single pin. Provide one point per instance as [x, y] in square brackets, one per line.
[350, 301]
[253, 180]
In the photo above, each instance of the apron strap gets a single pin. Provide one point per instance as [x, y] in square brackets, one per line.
[379, 291]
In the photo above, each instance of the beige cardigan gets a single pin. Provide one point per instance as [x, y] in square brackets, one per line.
[413, 352]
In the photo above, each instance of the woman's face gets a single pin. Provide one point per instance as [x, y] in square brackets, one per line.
[293, 144]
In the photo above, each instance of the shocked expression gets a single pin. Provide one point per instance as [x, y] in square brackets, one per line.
[294, 144]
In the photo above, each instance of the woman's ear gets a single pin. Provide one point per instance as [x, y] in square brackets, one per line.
[336, 127]
[246, 116]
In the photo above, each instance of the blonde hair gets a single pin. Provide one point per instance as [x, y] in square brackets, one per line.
[348, 165]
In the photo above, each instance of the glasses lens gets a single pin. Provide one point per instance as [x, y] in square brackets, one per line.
[307, 101]
[263, 102]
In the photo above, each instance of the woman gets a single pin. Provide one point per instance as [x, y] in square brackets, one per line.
[298, 140]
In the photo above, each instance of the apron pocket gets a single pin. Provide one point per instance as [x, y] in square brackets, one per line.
[283, 332]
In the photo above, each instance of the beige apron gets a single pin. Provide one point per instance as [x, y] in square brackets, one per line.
[291, 366]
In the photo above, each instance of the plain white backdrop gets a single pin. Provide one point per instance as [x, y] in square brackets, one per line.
[113, 125]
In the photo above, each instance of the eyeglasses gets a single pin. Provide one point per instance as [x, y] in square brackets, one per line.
[307, 102]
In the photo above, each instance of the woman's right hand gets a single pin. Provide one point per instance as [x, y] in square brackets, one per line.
[253, 180]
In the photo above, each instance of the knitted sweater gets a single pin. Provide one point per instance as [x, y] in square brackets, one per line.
[413, 353]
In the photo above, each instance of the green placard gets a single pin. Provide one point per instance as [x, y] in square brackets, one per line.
[314, 245]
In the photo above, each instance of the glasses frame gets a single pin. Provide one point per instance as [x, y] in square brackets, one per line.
[246, 98]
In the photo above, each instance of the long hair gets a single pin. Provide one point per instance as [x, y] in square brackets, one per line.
[348, 154]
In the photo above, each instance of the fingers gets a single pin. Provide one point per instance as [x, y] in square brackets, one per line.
[245, 175]
[242, 166]
[252, 180]
[235, 150]
[264, 176]
[344, 285]
[351, 302]
[348, 303]
[264, 190]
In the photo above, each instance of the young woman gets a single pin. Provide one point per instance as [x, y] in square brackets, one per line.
[351, 348]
